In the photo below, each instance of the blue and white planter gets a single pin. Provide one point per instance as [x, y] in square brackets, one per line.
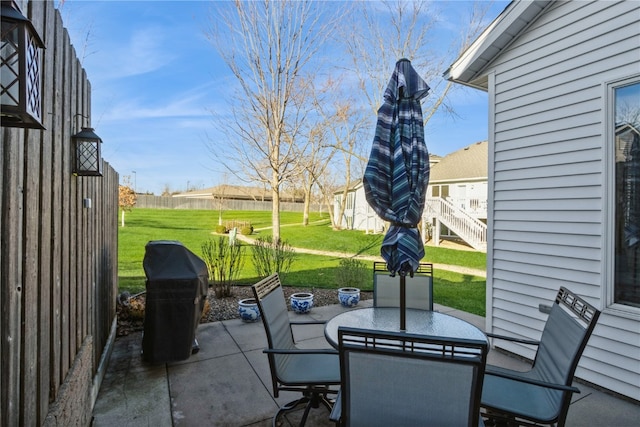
[301, 302]
[349, 297]
[248, 310]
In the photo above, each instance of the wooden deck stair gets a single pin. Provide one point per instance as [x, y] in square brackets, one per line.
[468, 228]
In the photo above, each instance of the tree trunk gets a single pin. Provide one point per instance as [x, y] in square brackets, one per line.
[307, 207]
[275, 211]
[343, 205]
[122, 220]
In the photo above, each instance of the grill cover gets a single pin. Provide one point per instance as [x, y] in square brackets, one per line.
[177, 285]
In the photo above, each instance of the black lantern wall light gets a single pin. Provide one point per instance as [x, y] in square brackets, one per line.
[88, 160]
[20, 55]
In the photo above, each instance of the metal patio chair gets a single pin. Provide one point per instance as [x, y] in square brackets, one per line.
[542, 395]
[419, 288]
[309, 371]
[399, 379]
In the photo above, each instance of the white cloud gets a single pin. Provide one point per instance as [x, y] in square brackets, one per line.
[143, 52]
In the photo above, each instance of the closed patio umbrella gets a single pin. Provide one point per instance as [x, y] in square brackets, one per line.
[397, 174]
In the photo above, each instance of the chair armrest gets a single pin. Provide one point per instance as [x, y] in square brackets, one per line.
[512, 339]
[301, 351]
[336, 411]
[309, 322]
[531, 381]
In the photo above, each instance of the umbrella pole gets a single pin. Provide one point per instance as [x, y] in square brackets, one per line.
[403, 302]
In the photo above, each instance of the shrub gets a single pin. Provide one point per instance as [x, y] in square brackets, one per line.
[351, 273]
[221, 229]
[224, 262]
[246, 231]
[269, 257]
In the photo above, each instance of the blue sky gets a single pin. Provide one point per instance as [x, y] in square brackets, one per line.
[155, 78]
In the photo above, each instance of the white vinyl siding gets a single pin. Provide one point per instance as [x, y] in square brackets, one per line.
[358, 215]
[549, 184]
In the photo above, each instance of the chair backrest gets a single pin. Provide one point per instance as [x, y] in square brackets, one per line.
[564, 337]
[411, 380]
[419, 288]
[275, 318]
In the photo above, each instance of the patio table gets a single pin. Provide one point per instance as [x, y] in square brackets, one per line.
[387, 319]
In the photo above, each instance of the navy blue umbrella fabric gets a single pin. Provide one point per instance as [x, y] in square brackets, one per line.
[397, 174]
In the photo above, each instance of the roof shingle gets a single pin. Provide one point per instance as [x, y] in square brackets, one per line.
[471, 162]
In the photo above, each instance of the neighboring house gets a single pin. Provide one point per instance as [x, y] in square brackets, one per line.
[563, 173]
[456, 203]
[358, 215]
[457, 196]
[461, 178]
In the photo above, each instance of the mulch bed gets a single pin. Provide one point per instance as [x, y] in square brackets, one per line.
[130, 309]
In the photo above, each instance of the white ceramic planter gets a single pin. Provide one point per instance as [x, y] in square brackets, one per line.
[349, 297]
[248, 310]
[301, 302]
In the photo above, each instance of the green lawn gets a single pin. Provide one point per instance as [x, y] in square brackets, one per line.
[319, 235]
[193, 227]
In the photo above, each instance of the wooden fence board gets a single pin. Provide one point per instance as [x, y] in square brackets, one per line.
[65, 208]
[73, 212]
[31, 261]
[45, 276]
[11, 246]
[30, 283]
[57, 122]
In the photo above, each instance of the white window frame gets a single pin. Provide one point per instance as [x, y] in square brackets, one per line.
[608, 243]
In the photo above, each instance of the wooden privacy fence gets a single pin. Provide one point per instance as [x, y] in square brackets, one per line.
[58, 255]
[167, 202]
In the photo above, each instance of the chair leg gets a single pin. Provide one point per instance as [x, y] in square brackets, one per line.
[328, 403]
[498, 419]
[311, 400]
[290, 406]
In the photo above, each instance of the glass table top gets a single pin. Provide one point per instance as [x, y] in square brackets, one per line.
[387, 319]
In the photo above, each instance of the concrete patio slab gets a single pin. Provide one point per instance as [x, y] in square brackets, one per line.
[204, 393]
[228, 382]
[132, 393]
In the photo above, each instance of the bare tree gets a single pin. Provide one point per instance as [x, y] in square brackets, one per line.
[126, 197]
[314, 163]
[346, 129]
[219, 199]
[335, 138]
[380, 36]
[269, 46]
[326, 184]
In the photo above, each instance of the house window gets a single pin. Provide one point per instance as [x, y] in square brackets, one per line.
[444, 192]
[626, 106]
[351, 200]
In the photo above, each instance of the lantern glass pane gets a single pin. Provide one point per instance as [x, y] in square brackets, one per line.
[10, 66]
[88, 156]
[33, 79]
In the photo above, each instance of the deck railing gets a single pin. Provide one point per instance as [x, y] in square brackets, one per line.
[468, 228]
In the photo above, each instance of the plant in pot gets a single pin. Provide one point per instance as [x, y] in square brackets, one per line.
[351, 274]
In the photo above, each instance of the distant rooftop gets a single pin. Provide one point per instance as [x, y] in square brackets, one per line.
[468, 163]
[237, 192]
